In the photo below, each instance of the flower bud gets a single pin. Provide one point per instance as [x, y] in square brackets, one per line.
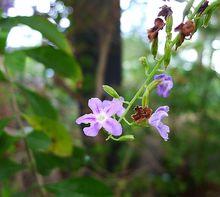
[169, 24]
[145, 98]
[144, 62]
[187, 8]
[167, 54]
[207, 19]
[126, 138]
[109, 90]
[154, 47]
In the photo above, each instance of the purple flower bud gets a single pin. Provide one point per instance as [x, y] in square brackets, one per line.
[156, 121]
[163, 88]
[6, 4]
[102, 117]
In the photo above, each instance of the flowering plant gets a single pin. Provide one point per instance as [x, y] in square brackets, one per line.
[105, 113]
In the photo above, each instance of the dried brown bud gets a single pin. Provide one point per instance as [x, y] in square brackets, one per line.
[185, 29]
[165, 11]
[153, 32]
[141, 114]
[203, 7]
[188, 28]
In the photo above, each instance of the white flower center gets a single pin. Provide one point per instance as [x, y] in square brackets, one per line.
[101, 117]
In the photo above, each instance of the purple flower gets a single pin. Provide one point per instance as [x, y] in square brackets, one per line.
[102, 117]
[6, 4]
[156, 121]
[163, 88]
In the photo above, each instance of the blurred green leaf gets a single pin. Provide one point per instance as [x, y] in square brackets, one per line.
[83, 187]
[64, 64]
[6, 142]
[15, 61]
[47, 161]
[3, 39]
[2, 77]
[4, 122]
[61, 139]
[40, 105]
[42, 25]
[38, 141]
[8, 168]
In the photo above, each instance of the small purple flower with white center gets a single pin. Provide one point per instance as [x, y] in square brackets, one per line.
[156, 121]
[166, 84]
[102, 117]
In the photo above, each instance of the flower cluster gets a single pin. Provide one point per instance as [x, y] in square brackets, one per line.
[109, 114]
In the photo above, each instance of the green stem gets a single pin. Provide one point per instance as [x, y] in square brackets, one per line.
[28, 151]
[138, 93]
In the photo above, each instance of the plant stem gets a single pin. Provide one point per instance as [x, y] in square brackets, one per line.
[28, 151]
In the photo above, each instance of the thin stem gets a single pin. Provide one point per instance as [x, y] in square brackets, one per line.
[28, 151]
[138, 93]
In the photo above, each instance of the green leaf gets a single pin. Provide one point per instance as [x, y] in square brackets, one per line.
[64, 64]
[15, 61]
[81, 187]
[46, 162]
[4, 122]
[8, 168]
[42, 25]
[3, 39]
[61, 139]
[2, 77]
[39, 104]
[6, 142]
[38, 141]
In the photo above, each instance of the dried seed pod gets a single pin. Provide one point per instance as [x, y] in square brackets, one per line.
[142, 113]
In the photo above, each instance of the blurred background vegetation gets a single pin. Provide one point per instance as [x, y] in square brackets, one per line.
[55, 55]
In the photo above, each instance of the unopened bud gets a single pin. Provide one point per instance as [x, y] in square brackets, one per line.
[126, 138]
[167, 54]
[169, 24]
[154, 47]
[109, 90]
[144, 62]
[188, 7]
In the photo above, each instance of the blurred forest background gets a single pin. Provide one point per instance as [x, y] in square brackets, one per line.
[50, 68]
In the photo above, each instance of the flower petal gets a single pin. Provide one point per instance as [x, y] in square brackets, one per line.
[112, 126]
[93, 130]
[115, 107]
[157, 117]
[95, 105]
[166, 84]
[163, 130]
[162, 108]
[87, 118]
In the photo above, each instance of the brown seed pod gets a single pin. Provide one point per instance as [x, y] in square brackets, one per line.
[142, 113]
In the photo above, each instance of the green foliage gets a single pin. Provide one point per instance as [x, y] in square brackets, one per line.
[15, 61]
[62, 63]
[39, 104]
[84, 187]
[61, 140]
[41, 24]
[8, 168]
[38, 141]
